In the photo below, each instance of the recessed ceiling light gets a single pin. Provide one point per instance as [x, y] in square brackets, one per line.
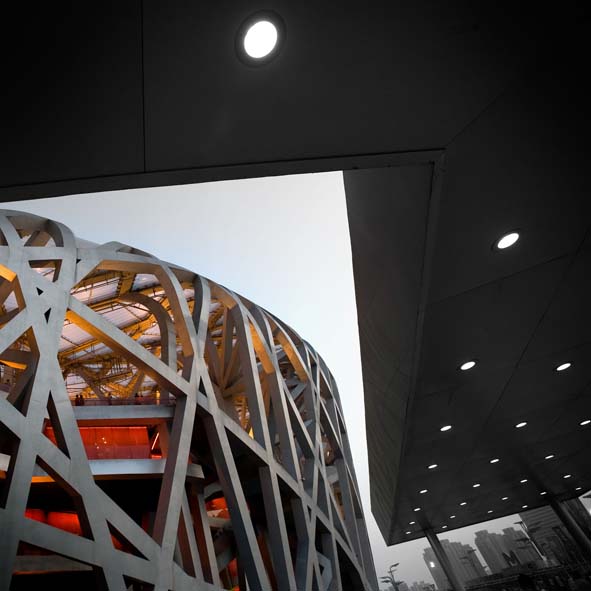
[578, 488]
[407, 533]
[432, 466]
[494, 460]
[524, 506]
[452, 516]
[549, 457]
[585, 422]
[507, 240]
[423, 491]
[563, 366]
[489, 511]
[504, 498]
[417, 509]
[411, 522]
[476, 485]
[444, 527]
[519, 425]
[523, 481]
[445, 428]
[543, 493]
[463, 503]
[468, 365]
[567, 476]
[260, 37]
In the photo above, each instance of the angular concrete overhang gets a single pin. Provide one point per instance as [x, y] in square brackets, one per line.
[433, 292]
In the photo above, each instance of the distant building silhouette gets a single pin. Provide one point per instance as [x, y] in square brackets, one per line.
[550, 535]
[501, 551]
[421, 586]
[463, 560]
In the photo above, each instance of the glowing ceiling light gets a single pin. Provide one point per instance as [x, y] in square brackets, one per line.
[411, 522]
[417, 509]
[463, 503]
[563, 366]
[524, 506]
[445, 428]
[494, 460]
[422, 492]
[432, 466]
[523, 481]
[444, 527]
[578, 488]
[567, 476]
[504, 498]
[432, 564]
[452, 516]
[260, 39]
[585, 422]
[476, 485]
[507, 240]
[468, 365]
[407, 533]
[549, 457]
[543, 493]
[520, 425]
[489, 511]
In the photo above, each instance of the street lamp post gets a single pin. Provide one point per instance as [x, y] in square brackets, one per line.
[390, 577]
[468, 558]
[527, 531]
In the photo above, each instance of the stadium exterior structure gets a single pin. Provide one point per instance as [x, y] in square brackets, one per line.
[159, 431]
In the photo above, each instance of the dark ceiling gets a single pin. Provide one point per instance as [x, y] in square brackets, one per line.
[468, 119]
[106, 95]
[433, 293]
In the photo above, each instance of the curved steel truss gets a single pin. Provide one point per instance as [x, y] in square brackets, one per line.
[159, 431]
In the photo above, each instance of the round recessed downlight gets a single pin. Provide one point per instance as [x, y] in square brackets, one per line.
[585, 422]
[407, 533]
[549, 457]
[494, 460]
[507, 240]
[411, 522]
[523, 481]
[489, 511]
[463, 503]
[563, 366]
[567, 476]
[260, 39]
[524, 506]
[520, 425]
[476, 485]
[452, 516]
[467, 365]
[422, 492]
[444, 527]
[417, 509]
[445, 428]
[432, 466]
[543, 493]
[504, 498]
[578, 488]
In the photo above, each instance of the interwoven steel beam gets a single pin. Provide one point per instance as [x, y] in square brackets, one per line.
[255, 413]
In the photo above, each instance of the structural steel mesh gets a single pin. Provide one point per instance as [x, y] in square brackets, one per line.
[241, 465]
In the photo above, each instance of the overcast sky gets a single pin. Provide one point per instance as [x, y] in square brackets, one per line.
[282, 242]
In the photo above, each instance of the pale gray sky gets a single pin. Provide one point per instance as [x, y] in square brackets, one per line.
[282, 242]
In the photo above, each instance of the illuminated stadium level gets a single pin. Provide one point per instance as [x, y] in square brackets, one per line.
[158, 431]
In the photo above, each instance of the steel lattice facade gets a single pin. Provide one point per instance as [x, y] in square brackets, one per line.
[159, 431]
